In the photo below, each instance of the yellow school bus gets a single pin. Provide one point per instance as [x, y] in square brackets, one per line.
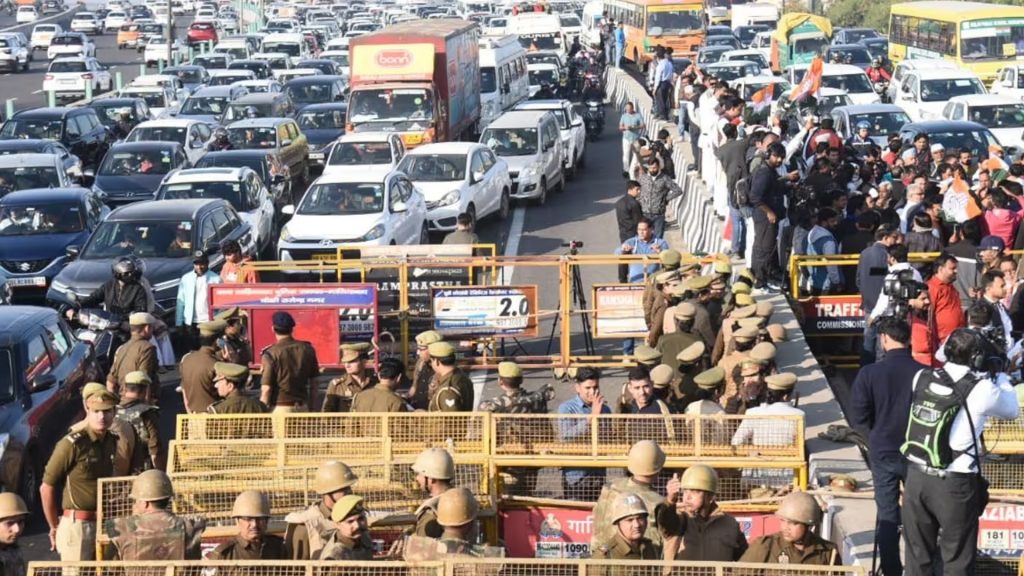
[678, 24]
[978, 36]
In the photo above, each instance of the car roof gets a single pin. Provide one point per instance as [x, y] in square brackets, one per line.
[868, 108]
[169, 122]
[519, 119]
[313, 79]
[846, 47]
[985, 99]
[214, 91]
[15, 319]
[117, 101]
[940, 125]
[243, 153]
[940, 73]
[731, 64]
[217, 174]
[836, 69]
[143, 146]
[367, 137]
[259, 98]
[163, 209]
[548, 104]
[36, 195]
[29, 159]
[353, 176]
[257, 122]
[445, 148]
[44, 113]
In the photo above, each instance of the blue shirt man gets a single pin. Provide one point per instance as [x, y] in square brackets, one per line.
[643, 243]
[582, 483]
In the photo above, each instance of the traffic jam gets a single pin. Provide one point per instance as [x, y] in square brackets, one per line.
[291, 283]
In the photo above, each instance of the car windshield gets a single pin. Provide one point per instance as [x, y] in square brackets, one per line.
[673, 22]
[211, 61]
[257, 163]
[138, 162]
[548, 41]
[66, 41]
[229, 79]
[230, 191]
[511, 141]
[158, 134]
[488, 81]
[434, 167]
[827, 103]
[252, 137]
[1000, 116]
[6, 376]
[313, 93]
[58, 218]
[731, 72]
[856, 35]
[946, 88]
[154, 239]
[389, 105]
[68, 66]
[878, 48]
[25, 177]
[746, 33]
[339, 59]
[809, 45]
[545, 76]
[43, 129]
[331, 199]
[710, 56]
[360, 153]
[850, 83]
[720, 41]
[977, 141]
[322, 119]
[109, 115]
[882, 122]
[205, 105]
[850, 55]
[188, 76]
[154, 99]
[289, 48]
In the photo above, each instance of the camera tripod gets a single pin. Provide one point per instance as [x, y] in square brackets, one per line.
[579, 300]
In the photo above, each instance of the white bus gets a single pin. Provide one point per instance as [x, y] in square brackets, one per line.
[504, 81]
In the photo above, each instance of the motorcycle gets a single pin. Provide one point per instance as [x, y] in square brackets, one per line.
[594, 120]
[103, 330]
[882, 89]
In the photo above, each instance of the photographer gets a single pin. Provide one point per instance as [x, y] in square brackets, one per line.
[896, 287]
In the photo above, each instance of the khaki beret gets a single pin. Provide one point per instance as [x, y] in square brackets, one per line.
[212, 328]
[230, 314]
[777, 332]
[710, 379]
[137, 378]
[361, 347]
[101, 400]
[429, 337]
[347, 506]
[647, 355]
[670, 258]
[747, 273]
[677, 289]
[722, 267]
[350, 355]
[763, 352]
[744, 299]
[744, 334]
[661, 375]
[691, 264]
[692, 353]
[698, 283]
[781, 381]
[750, 367]
[684, 310]
[764, 309]
[741, 288]
[141, 319]
[752, 322]
[666, 276]
[231, 372]
[509, 370]
[743, 311]
[441, 350]
[92, 388]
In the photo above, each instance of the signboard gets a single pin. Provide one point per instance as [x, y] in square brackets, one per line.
[1001, 530]
[325, 314]
[619, 311]
[377, 62]
[566, 532]
[501, 311]
[832, 315]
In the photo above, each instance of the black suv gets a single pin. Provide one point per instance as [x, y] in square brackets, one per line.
[78, 129]
[42, 371]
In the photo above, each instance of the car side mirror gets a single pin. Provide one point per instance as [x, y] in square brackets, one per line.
[44, 382]
[73, 251]
[905, 89]
[286, 142]
[577, 122]
[288, 210]
[477, 176]
[1007, 83]
[399, 207]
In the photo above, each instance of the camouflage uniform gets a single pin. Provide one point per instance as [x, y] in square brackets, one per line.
[604, 531]
[522, 481]
[156, 536]
[144, 420]
[12, 562]
[341, 391]
[420, 549]
[343, 549]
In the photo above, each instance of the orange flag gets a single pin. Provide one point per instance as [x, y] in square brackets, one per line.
[811, 82]
[762, 99]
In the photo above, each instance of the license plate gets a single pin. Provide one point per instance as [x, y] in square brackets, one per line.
[30, 282]
[412, 138]
[324, 256]
[69, 82]
[86, 335]
[316, 155]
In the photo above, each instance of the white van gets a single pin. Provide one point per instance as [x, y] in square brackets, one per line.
[529, 141]
[294, 45]
[923, 93]
[538, 31]
[593, 18]
[237, 47]
[503, 77]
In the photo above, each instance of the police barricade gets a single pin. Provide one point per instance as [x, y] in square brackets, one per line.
[390, 491]
[451, 566]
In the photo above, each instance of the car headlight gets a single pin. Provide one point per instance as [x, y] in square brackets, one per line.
[450, 198]
[286, 235]
[59, 287]
[374, 233]
[528, 173]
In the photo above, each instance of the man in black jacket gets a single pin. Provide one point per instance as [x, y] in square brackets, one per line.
[628, 213]
[767, 197]
[122, 295]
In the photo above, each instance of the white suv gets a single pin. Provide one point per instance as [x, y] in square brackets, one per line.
[13, 56]
[70, 76]
[114, 20]
[42, 34]
[86, 22]
[571, 128]
[529, 141]
[71, 44]
[26, 14]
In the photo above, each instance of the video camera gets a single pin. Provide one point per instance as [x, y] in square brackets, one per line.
[901, 288]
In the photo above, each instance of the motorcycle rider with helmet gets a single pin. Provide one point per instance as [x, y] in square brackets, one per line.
[220, 140]
[876, 73]
[545, 92]
[123, 294]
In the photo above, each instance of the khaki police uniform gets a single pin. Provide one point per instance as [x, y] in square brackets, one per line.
[619, 549]
[158, 535]
[197, 378]
[731, 362]
[602, 528]
[338, 548]
[341, 392]
[670, 345]
[380, 398]
[270, 548]
[723, 342]
[289, 370]
[308, 531]
[237, 403]
[236, 349]
[670, 260]
[716, 538]
[136, 354]
[774, 549]
[453, 392]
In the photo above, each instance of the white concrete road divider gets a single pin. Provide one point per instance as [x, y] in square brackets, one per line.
[71, 10]
[694, 213]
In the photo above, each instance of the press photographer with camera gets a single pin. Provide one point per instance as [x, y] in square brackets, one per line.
[902, 289]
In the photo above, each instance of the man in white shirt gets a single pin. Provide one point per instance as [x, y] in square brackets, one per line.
[941, 505]
[898, 256]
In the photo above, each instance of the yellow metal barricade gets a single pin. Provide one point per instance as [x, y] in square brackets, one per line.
[448, 567]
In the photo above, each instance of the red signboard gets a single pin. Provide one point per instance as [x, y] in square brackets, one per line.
[566, 532]
[1001, 531]
[832, 315]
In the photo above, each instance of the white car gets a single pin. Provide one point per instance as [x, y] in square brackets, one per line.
[70, 77]
[260, 86]
[86, 22]
[285, 75]
[366, 153]
[571, 127]
[242, 187]
[1009, 81]
[923, 93]
[339, 57]
[278, 61]
[193, 135]
[457, 177]
[353, 209]
[1003, 115]
[205, 15]
[541, 73]
[156, 50]
[169, 81]
[749, 55]
[160, 99]
[26, 14]
[42, 34]
[852, 80]
[13, 56]
[71, 44]
[114, 20]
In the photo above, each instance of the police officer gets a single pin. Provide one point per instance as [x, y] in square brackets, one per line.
[351, 537]
[665, 287]
[435, 472]
[138, 353]
[457, 511]
[382, 397]
[743, 339]
[670, 260]
[78, 461]
[672, 343]
[629, 519]
[644, 463]
[289, 370]
[663, 379]
[310, 529]
[144, 418]
[795, 543]
[750, 390]
[729, 324]
[229, 380]
[697, 291]
[197, 374]
[691, 361]
[131, 454]
[709, 383]
[233, 345]
[452, 389]
[777, 402]
[357, 378]
[13, 517]
[251, 513]
[423, 371]
[153, 532]
[721, 272]
[708, 533]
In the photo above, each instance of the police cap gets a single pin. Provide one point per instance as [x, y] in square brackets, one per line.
[781, 381]
[661, 375]
[710, 379]
[350, 505]
[763, 352]
[231, 372]
[745, 334]
[141, 319]
[441, 350]
[429, 337]
[509, 370]
[670, 258]
[647, 355]
[692, 353]
[212, 328]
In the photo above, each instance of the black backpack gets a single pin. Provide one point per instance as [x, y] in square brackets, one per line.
[931, 418]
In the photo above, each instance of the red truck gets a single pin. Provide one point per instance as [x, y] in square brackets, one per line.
[419, 78]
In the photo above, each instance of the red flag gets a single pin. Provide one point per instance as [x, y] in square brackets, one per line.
[811, 82]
